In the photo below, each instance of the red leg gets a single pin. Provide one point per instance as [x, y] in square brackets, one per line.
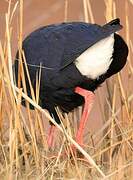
[51, 136]
[89, 98]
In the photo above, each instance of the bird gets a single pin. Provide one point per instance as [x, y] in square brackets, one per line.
[75, 58]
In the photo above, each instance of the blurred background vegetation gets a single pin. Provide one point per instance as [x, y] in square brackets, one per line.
[109, 134]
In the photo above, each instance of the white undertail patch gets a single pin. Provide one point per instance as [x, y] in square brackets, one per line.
[96, 60]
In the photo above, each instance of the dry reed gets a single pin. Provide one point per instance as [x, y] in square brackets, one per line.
[24, 154]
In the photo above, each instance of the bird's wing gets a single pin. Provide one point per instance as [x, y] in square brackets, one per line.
[44, 46]
[82, 35]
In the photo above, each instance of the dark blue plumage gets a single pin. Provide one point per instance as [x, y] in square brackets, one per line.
[55, 48]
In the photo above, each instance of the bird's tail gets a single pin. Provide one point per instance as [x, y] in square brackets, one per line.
[113, 23]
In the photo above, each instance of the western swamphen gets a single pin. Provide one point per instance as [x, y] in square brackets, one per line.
[75, 58]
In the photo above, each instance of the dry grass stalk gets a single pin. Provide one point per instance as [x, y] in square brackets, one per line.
[66, 11]
[86, 16]
[24, 152]
[90, 12]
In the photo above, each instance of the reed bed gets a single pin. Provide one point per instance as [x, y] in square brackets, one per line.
[24, 154]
